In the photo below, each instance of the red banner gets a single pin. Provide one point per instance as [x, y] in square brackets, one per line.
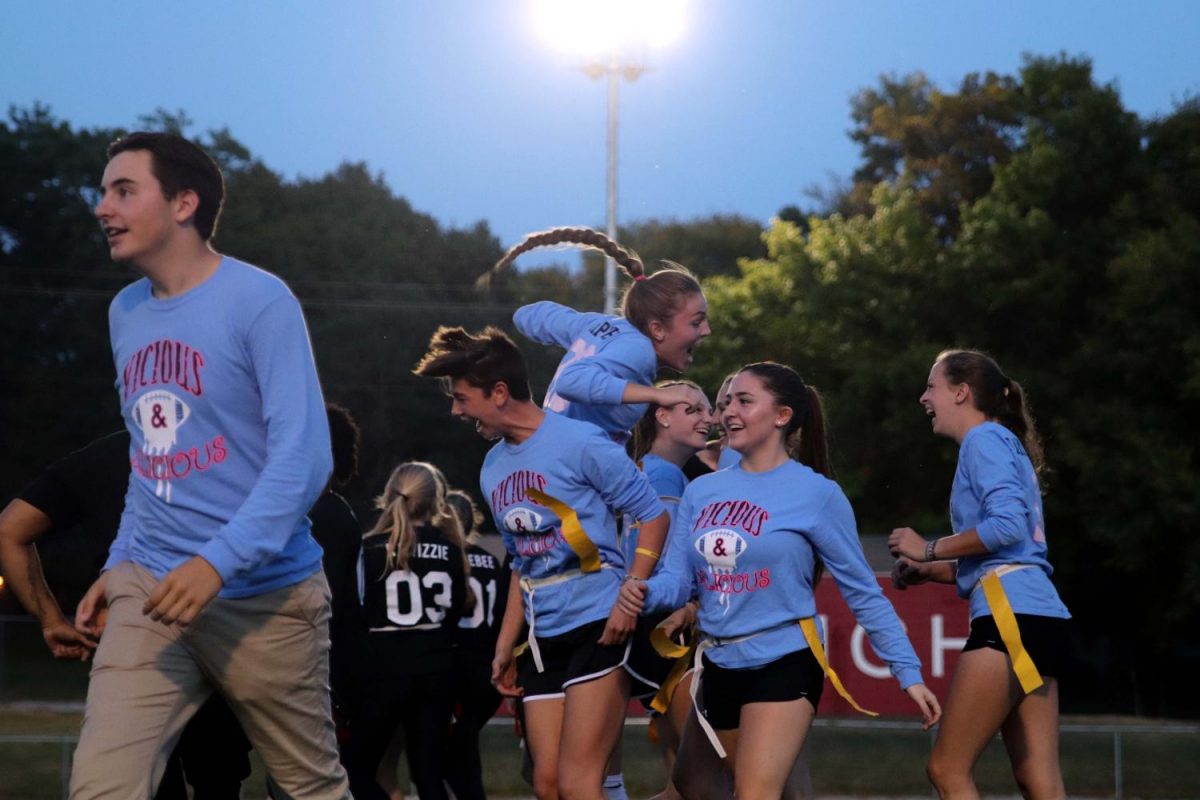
[937, 623]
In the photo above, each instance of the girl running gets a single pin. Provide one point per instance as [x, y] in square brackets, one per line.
[607, 375]
[1006, 678]
[747, 539]
[413, 579]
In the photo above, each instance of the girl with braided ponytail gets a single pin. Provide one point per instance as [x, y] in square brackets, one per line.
[746, 539]
[413, 581]
[607, 375]
[1006, 678]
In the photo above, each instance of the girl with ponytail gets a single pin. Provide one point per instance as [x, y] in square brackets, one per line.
[413, 580]
[1006, 678]
[746, 539]
[607, 375]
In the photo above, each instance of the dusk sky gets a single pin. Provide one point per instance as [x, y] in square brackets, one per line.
[472, 115]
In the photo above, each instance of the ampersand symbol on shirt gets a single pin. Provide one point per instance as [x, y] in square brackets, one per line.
[520, 525]
[157, 419]
[719, 548]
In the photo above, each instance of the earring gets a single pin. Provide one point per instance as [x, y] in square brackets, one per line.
[666, 424]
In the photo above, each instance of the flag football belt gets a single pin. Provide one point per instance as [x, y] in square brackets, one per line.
[809, 627]
[530, 586]
[1006, 623]
[667, 648]
[583, 548]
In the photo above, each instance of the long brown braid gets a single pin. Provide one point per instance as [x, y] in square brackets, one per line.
[650, 297]
[584, 237]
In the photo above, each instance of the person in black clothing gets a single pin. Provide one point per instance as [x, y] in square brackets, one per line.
[87, 489]
[475, 699]
[336, 529]
[413, 577]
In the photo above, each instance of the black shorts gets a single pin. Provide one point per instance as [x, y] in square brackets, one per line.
[646, 667]
[1046, 640]
[791, 677]
[569, 658]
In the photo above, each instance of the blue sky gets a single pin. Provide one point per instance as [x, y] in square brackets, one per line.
[471, 115]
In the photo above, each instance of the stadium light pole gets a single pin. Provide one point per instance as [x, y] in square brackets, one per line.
[610, 36]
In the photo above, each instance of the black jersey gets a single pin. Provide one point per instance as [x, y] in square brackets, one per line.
[83, 494]
[411, 613]
[477, 631]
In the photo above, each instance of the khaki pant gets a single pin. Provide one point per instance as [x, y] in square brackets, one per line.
[268, 655]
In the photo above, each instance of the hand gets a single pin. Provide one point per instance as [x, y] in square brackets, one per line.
[681, 619]
[183, 593]
[67, 643]
[504, 673]
[908, 543]
[906, 573]
[668, 396]
[619, 625]
[91, 615]
[927, 701]
[632, 597]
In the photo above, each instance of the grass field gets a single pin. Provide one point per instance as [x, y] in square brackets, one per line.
[850, 762]
[845, 761]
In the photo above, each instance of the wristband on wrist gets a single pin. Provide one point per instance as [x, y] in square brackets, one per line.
[646, 551]
[930, 547]
[628, 578]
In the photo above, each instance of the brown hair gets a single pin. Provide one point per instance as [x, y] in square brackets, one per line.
[806, 437]
[483, 359]
[996, 395]
[181, 165]
[657, 296]
[469, 516]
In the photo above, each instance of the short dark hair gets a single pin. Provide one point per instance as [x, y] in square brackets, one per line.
[181, 165]
[482, 359]
[344, 438]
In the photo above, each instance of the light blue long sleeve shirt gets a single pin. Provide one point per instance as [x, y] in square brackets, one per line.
[996, 492]
[230, 440]
[604, 355]
[747, 542]
[575, 463]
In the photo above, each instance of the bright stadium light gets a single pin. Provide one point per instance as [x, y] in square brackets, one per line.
[612, 38]
[593, 29]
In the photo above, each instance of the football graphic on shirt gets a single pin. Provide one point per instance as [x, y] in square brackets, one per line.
[159, 414]
[519, 520]
[721, 548]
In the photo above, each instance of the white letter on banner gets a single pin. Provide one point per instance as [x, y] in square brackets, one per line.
[941, 643]
[860, 656]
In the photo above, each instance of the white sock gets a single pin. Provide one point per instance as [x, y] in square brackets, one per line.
[614, 787]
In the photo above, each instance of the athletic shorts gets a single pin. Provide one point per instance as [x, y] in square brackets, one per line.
[1046, 639]
[647, 668]
[569, 658]
[725, 691]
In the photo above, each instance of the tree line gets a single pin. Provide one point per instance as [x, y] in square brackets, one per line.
[1031, 215]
